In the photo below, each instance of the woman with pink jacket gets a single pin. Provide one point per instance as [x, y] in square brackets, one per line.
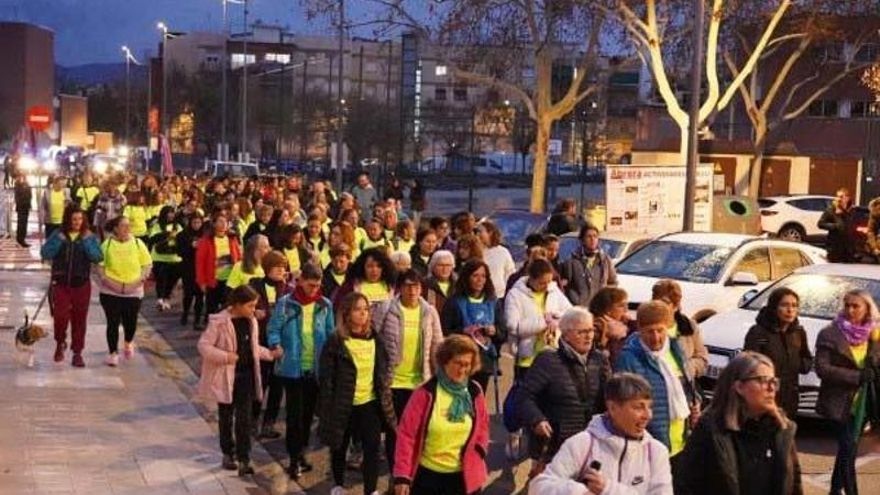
[231, 354]
[443, 435]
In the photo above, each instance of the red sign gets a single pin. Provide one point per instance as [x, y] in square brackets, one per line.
[39, 118]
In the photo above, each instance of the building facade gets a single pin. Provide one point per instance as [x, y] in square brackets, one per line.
[27, 57]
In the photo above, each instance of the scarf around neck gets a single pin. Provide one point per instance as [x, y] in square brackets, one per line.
[678, 404]
[462, 404]
[300, 296]
[855, 334]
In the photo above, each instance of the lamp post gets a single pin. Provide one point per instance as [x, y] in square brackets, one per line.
[340, 155]
[128, 59]
[164, 28]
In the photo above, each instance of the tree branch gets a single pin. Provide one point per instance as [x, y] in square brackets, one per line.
[492, 81]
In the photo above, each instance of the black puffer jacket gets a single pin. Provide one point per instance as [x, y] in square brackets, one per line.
[337, 376]
[563, 392]
[788, 351]
[839, 242]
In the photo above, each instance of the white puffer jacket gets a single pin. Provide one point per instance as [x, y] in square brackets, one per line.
[630, 467]
[523, 318]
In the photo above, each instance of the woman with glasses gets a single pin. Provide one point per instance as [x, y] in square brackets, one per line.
[847, 356]
[744, 443]
[778, 334]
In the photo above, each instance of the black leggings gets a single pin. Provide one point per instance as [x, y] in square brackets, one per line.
[167, 275]
[301, 395]
[237, 417]
[365, 424]
[273, 390]
[429, 482]
[215, 298]
[120, 310]
[399, 397]
[192, 293]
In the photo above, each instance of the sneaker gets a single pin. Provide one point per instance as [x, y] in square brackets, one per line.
[245, 469]
[294, 471]
[337, 490]
[304, 466]
[229, 463]
[267, 432]
[128, 351]
[77, 361]
[112, 360]
[512, 447]
[59, 351]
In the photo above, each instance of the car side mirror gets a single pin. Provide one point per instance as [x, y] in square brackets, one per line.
[743, 278]
[747, 297]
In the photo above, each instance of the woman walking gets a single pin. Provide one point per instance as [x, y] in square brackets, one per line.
[193, 297]
[231, 357]
[497, 257]
[355, 393]
[250, 266]
[126, 265]
[847, 356]
[166, 261]
[373, 275]
[778, 334]
[443, 436]
[216, 253]
[73, 248]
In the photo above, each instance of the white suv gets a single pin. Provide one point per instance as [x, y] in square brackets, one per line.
[713, 269]
[794, 218]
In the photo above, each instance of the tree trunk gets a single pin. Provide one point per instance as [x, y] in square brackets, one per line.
[683, 144]
[539, 168]
[755, 171]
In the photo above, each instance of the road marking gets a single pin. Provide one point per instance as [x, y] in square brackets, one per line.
[824, 480]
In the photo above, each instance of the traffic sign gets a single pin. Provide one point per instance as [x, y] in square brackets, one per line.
[39, 118]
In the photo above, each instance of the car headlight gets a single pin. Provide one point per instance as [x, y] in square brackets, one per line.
[100, 166]
[27, 164]
[50, 166]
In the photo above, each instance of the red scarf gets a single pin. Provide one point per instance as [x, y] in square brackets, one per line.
[300, 296]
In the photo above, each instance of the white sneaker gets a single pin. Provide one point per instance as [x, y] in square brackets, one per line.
[337, 490]
[512, 448]
[112, 360]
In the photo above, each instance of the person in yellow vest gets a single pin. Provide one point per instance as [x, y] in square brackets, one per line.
[53, 204]
[375, 236]
[250, 265]
[353, 218]
[315, 239]
[291, 244]
[87, 193]
[373, 275]
[166, 260]
[336, 271]
[354, 392]
[136, 212]
[404, 238]
[126, 265]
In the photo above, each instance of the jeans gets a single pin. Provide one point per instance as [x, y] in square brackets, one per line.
[844, 474]
[301, 396]
[365, 424]
[120, 310]
[71, 306]
[273, 389]
[237, 417]
[429, 482]
[167, 275]
[399, 397]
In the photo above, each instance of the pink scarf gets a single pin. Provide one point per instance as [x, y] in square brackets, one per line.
[855, 334]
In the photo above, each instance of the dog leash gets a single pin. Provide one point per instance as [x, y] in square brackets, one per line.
[39, 307]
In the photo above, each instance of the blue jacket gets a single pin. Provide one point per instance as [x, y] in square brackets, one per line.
[634, 359]
[71, 260]
[285, 329]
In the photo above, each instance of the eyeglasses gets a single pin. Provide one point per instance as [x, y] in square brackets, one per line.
[763, 380]
[583, 331]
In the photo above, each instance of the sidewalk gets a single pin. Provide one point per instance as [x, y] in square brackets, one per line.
[98, 430]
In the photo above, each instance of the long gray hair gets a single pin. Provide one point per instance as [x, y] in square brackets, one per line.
[728, 407]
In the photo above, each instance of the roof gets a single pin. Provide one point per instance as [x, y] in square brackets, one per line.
[615, 236]
[711, 238]
[848, 270]
[785, 197]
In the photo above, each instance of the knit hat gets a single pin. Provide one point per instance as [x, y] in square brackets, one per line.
[652, 313]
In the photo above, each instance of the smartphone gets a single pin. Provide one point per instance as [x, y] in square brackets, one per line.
[596, 466]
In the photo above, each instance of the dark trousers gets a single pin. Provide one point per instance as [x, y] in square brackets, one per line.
[483, 379]
[364, 424]
[399, 397]
[273, 389]
[120, 310]
[21, 226]
[167, 275]
[71, 307]
[215, 298]
[844, 475]
[429, 482]
[191, 292]
[237, 417]
[301, 395]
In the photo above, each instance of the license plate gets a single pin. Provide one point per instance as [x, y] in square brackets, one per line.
[717, 363]
[713, 371]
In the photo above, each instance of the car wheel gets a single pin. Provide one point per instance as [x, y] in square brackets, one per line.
[792, 233]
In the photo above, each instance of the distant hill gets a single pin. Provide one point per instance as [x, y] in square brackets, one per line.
[94, 74]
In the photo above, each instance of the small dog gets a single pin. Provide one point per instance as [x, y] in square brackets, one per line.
[25, 339]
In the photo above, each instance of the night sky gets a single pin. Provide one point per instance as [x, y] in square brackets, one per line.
[89, 31]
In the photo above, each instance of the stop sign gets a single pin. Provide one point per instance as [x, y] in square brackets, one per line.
[39, 117]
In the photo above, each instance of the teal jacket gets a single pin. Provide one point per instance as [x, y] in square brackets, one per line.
[285, 329]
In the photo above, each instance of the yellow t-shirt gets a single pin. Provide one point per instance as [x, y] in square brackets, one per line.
[124, 261]
[369, 243]
[315, 242]
[324, 257]
[444, 287]
[541, 302]
[375, 291]
[223, 258]
[404, 246]
[363, 353]
[137, 217]
[444, 439]
[308, 337]
[238, 277]
[56, 207]
[360, 235]
[338, 277]
[293, 259]
[86, 195]
[676, 426]
[672, 332]
[271, 294]
[408, 374]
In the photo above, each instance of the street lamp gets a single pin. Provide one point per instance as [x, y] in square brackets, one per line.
[225, 68]
[128, 59]
[164, 28]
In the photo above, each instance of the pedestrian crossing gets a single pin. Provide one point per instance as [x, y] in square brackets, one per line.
[15, 257]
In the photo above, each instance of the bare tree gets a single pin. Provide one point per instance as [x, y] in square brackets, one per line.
[510, 45]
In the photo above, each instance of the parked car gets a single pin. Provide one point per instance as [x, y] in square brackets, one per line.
[515, 226]
[713, 269]
[821, 288]
[794, 218]
[617, 245]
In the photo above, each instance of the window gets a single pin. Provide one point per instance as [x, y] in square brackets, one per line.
[862, 109]
[460, 94]
[757, 262]
[823, 108]
[440, 70]
[281, 58]
[868, 53]
[439, 94]
[237, 59]
[785, 261]
[811, 204]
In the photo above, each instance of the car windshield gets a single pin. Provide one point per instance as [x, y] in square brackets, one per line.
[821, 295]
[514, 229]
[700, 263]
[568, 245]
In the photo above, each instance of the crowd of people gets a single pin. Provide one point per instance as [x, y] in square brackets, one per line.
[388, 326]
